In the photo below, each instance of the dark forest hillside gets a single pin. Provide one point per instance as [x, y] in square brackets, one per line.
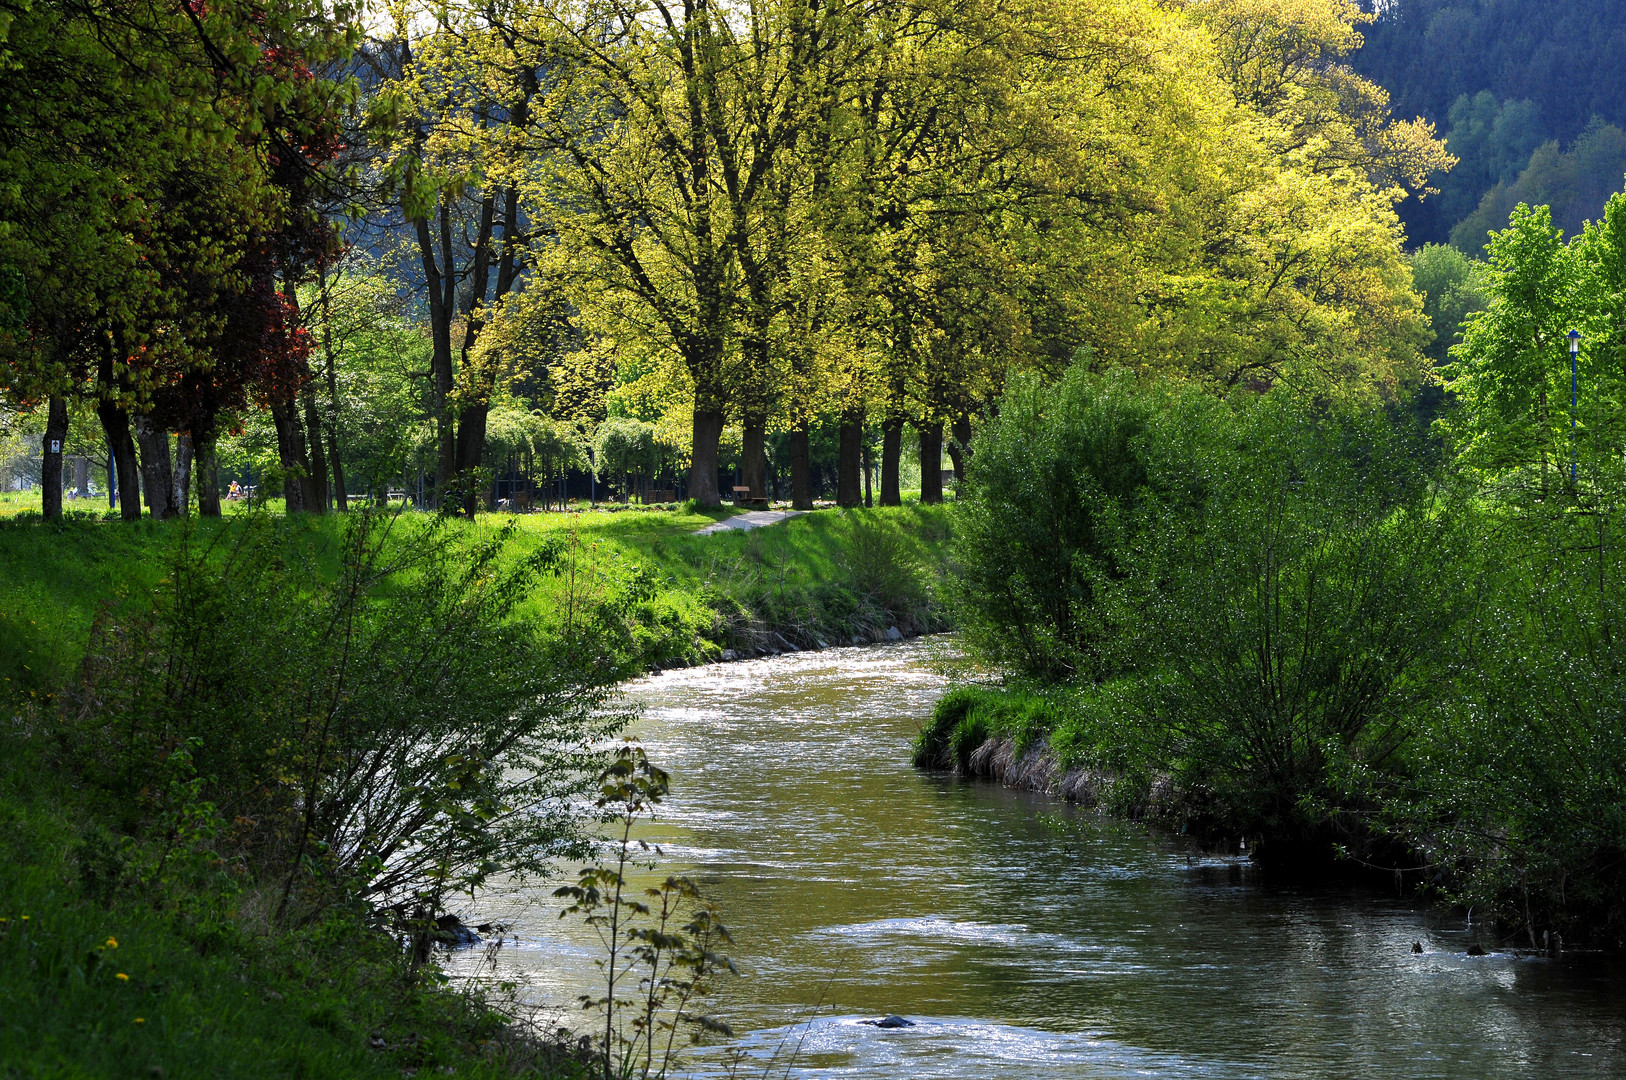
[1505, 80]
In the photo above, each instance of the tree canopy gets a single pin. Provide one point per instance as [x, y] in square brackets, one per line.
[734, 222]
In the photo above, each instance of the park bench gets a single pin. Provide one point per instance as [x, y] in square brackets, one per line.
[742, 497]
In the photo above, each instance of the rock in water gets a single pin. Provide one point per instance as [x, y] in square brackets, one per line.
[1476, 949]
[890, 1020]
[894, 634]
[450, 931]
[1416, 948]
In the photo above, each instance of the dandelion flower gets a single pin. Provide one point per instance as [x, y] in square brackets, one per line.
[112, 943]
[141, 1019]
[122, 977]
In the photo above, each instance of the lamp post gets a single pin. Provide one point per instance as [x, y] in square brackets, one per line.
[1575, 352]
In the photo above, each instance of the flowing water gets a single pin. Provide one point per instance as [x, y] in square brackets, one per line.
[1023, 937]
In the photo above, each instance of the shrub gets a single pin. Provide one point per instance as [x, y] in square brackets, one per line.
[389, 734]
[1045, 526]
[1297, 625]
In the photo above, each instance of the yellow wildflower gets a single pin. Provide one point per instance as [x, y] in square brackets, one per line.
[122, 977]
[141, 1020]
[112, 943]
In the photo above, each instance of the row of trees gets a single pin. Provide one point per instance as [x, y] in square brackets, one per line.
[701, 215]
[162, 177]
[803, 210]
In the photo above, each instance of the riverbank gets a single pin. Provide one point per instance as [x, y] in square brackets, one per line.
[1099, 748]
[1058, 741]
[120, 960]
[829, 577]
[168, 982]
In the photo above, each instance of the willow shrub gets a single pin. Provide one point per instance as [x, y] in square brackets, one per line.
[1271, 586]
[1045, 529]
[1298, 623]
[387, 734]
[1519, 795]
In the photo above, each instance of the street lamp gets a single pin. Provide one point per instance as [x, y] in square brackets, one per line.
[1575, 352]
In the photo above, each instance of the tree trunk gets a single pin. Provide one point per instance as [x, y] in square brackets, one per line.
[290, 454]
[441, 284]
[754, 456]
[339, 497]
[869, 467]
[891, 455]
[313, 474]
[959, 447]
[931, 464]
[207, 478]
[56, 436]
[156, 475]
[801, 470]
[708, 433]
[849, 491]
[471, 444]
[81, 477]
[315, 487]
[181, 495]
[116, 425]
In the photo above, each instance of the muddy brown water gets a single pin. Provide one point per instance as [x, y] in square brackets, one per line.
[1026, 938]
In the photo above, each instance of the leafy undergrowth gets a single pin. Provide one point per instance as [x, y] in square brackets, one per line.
[131, 981]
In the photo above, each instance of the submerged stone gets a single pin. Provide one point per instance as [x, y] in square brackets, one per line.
[890, 1020]
[450, 931]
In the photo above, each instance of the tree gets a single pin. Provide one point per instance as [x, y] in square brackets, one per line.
[1573, 183]
[1510, 373]
[456, 101]
[1452, 290]
[150, 140]
[1504, 77]
[626, 448]
[664, 168]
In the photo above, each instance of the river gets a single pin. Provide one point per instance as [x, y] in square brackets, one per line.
[1026, 938]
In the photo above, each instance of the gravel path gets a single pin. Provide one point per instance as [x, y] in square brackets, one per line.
[751, 519]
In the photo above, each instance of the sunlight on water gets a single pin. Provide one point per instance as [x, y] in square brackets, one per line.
[1023, 938]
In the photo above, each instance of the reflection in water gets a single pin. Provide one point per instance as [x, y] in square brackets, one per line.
[1025, 938]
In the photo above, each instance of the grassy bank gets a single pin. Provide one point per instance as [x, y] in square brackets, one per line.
[167, 984]
[1081, 745]
[828, 577]
[147, 950]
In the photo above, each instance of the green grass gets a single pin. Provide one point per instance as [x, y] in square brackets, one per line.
[830, 576]
[210, 990]
[139, 985]
[1093, 728]
[20, 502]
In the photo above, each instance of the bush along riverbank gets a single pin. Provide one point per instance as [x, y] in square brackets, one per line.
[1305, 627]
[248, 767]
